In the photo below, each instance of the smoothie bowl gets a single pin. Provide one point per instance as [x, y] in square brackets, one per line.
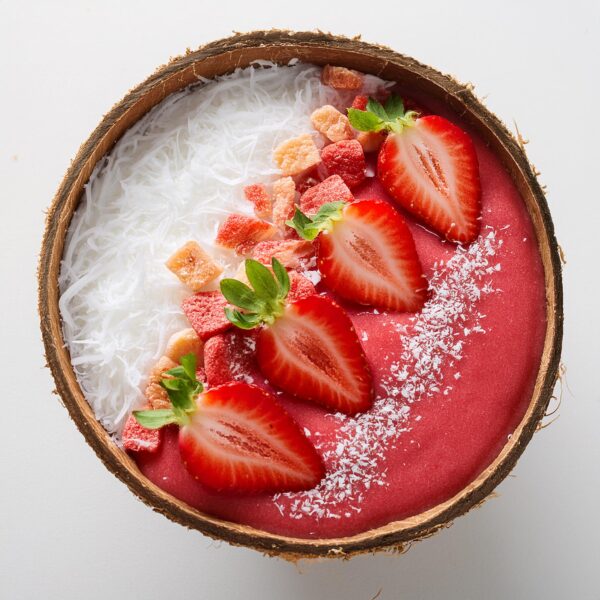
[302, 293]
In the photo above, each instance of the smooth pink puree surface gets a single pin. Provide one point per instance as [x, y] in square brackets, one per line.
[449, 439]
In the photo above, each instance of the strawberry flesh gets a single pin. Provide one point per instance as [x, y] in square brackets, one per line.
[312, 352]
[241, 440]
[431, 170]
[369, 257]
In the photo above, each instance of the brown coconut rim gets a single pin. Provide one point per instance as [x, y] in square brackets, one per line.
[319, 48]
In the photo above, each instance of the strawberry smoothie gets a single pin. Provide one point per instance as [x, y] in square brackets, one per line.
[452, 382]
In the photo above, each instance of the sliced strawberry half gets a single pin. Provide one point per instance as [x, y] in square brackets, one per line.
[240, 439]
[312, 352]
[235, 437]
[428, 165]
[366, 254]
[307, 347]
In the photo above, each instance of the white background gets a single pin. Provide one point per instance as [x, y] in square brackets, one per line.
[69, 529]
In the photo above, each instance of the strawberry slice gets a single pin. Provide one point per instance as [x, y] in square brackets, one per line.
[235, 437]
[428, 165]
[366, 253]
[307, 347]
[312, 352]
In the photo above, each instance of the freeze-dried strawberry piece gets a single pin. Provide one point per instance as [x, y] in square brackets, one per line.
[206, 313]
[341, 78]
[139, 439]
[242, 233]
[258, 195]
[300, 287]
[284, 201]
[332, 189]
[346, 159]
[329, 121]
[309, 179]
[193, 266]
[297, 155]
[360, 102]
[288, 252]
[155, 394]
[230, 356]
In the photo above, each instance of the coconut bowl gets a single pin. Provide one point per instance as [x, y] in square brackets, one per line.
[222, 57]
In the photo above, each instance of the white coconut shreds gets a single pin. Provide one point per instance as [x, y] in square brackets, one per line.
[355, 457]
[173, 177]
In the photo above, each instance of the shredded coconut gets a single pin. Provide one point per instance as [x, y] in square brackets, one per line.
[173, 177]
[355, 457]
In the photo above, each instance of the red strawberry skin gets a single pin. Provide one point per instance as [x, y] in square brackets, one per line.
[431, 170]
[313, 353]
[240, 439]
[369, 257]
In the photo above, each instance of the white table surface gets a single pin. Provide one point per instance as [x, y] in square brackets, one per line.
[69, 529]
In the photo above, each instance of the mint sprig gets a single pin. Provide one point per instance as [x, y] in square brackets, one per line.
[377, 117]
[183, 388]
[264, 301]
[309, 229]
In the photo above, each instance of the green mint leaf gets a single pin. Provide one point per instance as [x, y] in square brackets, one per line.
[394, 107]
[241, 320]
[377, 109]
[182, 386]
[239, 294]
[180, 394]
[188, 364]
[178, 371]
[309, 229]
[363, 120]
[155, 419]
[283, 279]
[328, 213]
[175, 384]
[262, 280]
[301, 223]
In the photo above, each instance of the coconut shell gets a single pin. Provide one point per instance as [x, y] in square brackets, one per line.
[222, 57]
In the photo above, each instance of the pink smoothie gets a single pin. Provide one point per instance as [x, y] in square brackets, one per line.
[452, 384]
